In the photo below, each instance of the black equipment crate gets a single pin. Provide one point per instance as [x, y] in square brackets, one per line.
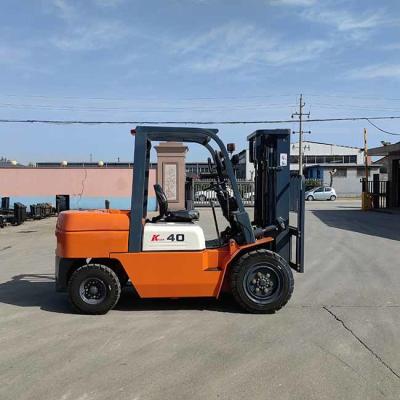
[19, 213]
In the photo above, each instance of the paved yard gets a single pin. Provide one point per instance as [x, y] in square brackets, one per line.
[338, 338]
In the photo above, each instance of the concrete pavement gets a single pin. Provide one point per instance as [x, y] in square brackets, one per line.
[338, 338]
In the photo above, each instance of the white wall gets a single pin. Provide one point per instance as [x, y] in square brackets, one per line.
[321, 149]
[350, 185]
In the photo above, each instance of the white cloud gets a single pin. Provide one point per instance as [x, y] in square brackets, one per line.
[65, 10]
[83, 31]
[343, 20]
[96, 35]
[355, 26]
[391, 46]
[301, 3]
[375, 71]
[108, 3]
[233, 45]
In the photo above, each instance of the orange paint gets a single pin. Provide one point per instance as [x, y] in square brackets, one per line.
[104, 234]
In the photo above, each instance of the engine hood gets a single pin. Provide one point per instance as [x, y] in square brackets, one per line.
[93, 220]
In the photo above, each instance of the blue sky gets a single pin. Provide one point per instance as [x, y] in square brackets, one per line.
[192, 60]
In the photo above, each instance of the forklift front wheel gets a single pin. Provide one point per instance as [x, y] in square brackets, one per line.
[261, 281]
[94, 289]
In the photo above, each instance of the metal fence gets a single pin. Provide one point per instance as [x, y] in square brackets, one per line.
[379, 190]
[202, 194]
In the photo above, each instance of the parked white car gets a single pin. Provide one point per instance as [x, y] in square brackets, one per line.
[321, 193]
[205, 195]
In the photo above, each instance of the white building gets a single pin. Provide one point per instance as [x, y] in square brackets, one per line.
[325, 153]
[320, 160]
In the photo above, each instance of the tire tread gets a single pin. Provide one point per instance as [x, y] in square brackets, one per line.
[104, 269]
[238, 265]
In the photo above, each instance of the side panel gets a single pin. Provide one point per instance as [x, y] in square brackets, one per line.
[175, 274]
[181, 274]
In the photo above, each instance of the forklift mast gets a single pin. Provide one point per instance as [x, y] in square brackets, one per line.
[277, 192]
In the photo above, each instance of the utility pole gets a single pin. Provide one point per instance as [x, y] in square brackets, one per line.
[301, 114]
[366, 158]
[365, 196]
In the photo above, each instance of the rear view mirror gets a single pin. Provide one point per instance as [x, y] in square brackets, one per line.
[230, 147]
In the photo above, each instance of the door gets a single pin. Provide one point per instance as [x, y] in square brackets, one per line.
[395, 189]
[327, 193]
[319, 194]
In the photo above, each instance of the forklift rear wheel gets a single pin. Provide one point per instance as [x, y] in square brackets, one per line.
[261, 281]
[94, 289]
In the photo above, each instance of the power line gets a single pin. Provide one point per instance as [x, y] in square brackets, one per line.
[148, 97]
[272, 95]
[191, 108]
[248, 122]
[132, 108]
[383, 130]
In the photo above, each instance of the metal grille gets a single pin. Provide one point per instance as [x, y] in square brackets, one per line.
[379, 191]
[202, 194]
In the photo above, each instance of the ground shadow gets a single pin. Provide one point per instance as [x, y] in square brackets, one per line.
[38, 290]
[131, 302]
[366, 222]
[34, 290]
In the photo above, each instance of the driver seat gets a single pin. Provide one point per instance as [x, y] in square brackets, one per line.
[171, 216]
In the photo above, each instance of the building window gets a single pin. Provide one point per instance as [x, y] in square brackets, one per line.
[294, 159]
[310, 159]
[319, 159]
[341, 172]
[338, 159]
[329, 159]
[350, 159]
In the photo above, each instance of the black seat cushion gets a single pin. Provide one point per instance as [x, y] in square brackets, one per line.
[182, 216]
[171, 216]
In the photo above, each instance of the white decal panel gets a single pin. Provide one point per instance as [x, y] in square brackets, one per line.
[283, 160]
[173, 236]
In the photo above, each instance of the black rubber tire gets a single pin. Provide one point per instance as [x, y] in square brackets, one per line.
[261, 257]
[98, 272]
[202, 198]
[332, 198]
[123, 280]
[310, 198]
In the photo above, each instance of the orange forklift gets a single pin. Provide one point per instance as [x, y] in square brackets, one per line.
[167, 256]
